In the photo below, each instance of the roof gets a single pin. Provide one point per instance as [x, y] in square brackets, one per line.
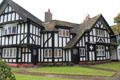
[50, 26]
[81, 29]
[21, 11]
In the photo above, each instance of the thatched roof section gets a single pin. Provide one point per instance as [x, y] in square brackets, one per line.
[50, 26]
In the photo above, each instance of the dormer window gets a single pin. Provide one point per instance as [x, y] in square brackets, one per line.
[64, 33]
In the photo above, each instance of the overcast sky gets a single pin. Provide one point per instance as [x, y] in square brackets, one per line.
[72, 10]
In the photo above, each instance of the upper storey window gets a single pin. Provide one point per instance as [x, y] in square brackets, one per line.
[100, 33]
[64, 33]
[9, 29]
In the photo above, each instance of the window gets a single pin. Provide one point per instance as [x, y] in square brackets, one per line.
[67, 32]
[9, 53]
[82, 52]
[58, 53]
[100, 33]
[64, 33]
[9, 30]
[14, 30]
[48, 53]
[100, 50]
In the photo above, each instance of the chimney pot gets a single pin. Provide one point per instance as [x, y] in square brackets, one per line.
[87, 18]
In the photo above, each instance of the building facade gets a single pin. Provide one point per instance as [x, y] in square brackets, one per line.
[26, 40]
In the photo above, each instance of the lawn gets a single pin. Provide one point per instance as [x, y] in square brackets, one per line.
[73, 71]
[17, 69]
[29, 77]
[113, 66]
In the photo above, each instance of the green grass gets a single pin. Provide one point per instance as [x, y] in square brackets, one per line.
[113, 66]
[29, 77]
[73, 71]
[17, 69]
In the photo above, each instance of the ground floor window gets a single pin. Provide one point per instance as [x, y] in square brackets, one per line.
[58, 52]
[9, 52]
[48, 53]
[100, 50]
[82, 51]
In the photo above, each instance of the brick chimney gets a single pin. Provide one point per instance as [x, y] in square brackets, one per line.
[48, 16]
[87, 18]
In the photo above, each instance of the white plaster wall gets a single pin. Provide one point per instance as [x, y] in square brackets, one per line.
[113, 54]
[118, 52]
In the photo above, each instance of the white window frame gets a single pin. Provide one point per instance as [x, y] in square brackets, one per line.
[57, 53]
[100, 33]
[63, 33]
[82, 51]
[48, 54]
[9, 52]
[8, 29]
[100, 50]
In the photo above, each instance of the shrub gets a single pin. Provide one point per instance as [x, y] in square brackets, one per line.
[5, 72]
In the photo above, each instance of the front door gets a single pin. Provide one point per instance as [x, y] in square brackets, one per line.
[35, 56]
[75, 56]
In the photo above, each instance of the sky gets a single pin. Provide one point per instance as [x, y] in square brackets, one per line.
[72, 10]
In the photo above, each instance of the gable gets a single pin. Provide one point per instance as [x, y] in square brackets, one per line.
[24, 14]
[80, 30]
[102, 24]
[8, 15]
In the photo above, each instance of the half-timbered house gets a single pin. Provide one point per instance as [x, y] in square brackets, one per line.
[26, 40]
[90, 41]
[19, 34]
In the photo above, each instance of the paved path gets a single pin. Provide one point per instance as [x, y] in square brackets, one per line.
[116, 77]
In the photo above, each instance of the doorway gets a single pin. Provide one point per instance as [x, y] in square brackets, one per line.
[75, 56]
[35, 56]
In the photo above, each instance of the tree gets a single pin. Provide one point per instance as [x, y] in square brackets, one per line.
[116, 28]
[117, 19]
[5, 72]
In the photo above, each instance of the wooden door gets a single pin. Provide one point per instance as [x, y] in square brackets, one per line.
[75, 56]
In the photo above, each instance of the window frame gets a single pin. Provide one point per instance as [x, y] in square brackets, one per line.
[48, 53]
[57, 53]
[82, 52]
[8, 29]
[64, 32]
[9, 53]
[100, 50]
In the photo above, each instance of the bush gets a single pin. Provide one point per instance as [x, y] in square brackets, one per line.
[5, 72]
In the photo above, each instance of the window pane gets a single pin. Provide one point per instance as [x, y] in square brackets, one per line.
[14, 30]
